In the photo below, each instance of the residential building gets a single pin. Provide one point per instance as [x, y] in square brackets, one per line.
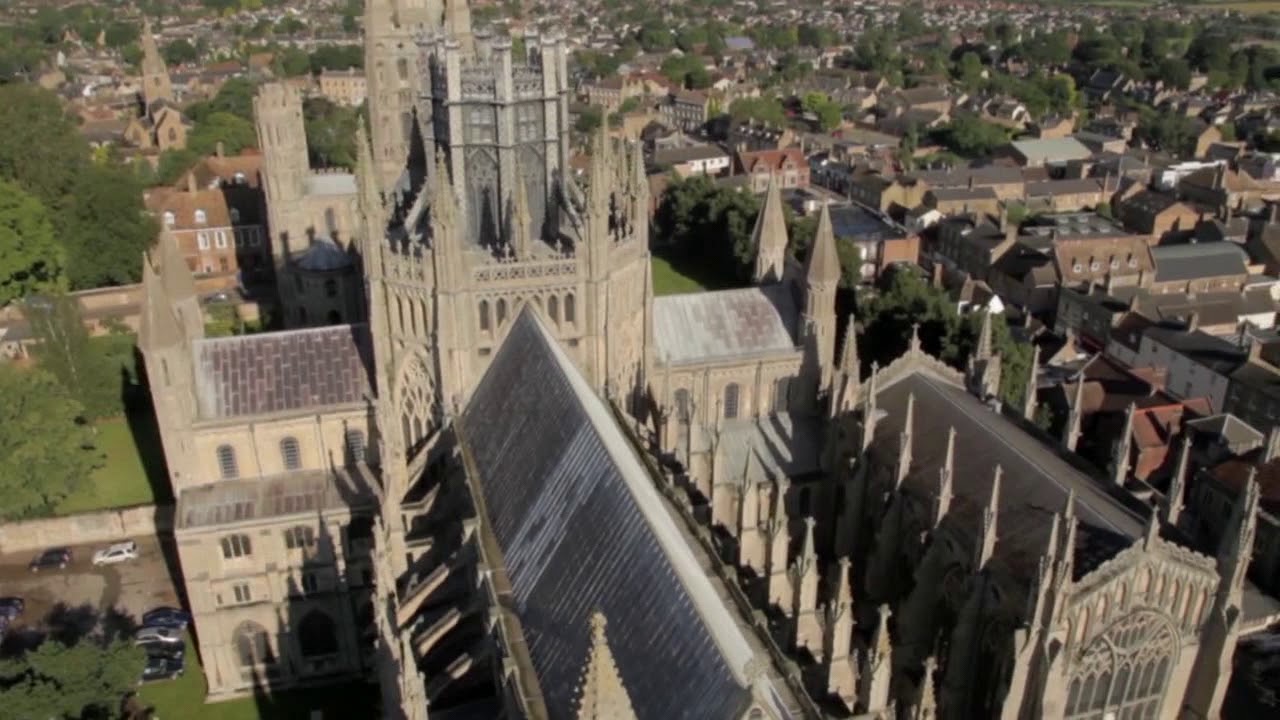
[1195, 268]
[686, 109]
[879, 241]
[788, 165]
[1039, 153]
[343, 87]
[1159, 215]
[1198, 365]
[696, 159]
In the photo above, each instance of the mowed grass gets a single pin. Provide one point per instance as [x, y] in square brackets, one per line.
[669, 281]
[183, 699]
[131, 448]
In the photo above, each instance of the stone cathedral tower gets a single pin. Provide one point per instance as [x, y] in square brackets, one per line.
[469, 216]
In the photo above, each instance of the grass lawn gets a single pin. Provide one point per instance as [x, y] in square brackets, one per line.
[183, 699]
[132, 446]
[1247, 8]
[669, 281]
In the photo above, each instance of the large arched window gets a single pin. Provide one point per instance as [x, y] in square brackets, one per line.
[253, 647]
[553, 309]
[484, 316]
[289, 454]
[570, 309]
[731, 393]
[236, 546]
[317, 635]
[501, 311]
[227, 462]
[1124, 671]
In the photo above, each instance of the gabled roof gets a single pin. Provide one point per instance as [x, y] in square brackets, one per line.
[283, 371]
[698, 327]
[582, 529]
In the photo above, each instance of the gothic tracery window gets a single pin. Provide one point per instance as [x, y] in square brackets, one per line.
[417, 409]
[1123, 672]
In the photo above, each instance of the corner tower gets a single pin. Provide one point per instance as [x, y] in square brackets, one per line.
[277, 111]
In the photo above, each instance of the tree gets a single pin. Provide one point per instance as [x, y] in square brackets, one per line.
[46, 446]
[180, 52]
[31, 260]
[970, 136]
[172, 165]
[331, 131]
[96, 210]
[235, 97]
[105, 228]
[828, 112]
[655, 37]
[292, 62]
[86, 679]
[343, 57]
[709, 225]
[1174, 72]
[969, 71]
[589, 119]
[234, 132]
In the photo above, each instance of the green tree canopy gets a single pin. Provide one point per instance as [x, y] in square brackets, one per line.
[83, 680]
[31, 260]
[828, 112]
[762, 109]
[96, 210]
[331, 132]
[46, 447]
[180, 52]
[234, 132]
[970, 136]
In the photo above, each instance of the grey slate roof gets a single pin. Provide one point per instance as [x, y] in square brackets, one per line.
[698, 327]
[582, 529]
[233, 501]
[1034, 485]
[1198, 260]
[1038, 152]
[282, 371]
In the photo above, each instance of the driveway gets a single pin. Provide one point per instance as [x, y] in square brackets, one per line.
[83, 593]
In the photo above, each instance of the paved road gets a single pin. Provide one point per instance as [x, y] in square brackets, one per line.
[81, 593]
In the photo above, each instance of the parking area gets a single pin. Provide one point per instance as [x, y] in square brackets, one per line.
[126, 589]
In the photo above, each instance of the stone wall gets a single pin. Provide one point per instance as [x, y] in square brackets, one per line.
[101, 527]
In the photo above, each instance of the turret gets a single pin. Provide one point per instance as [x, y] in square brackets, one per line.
[848, 378]
[1029, 392]
[822, 277]
[1173, 501]
[904, 443]
[1075, 416]
[770, 236]
[277, 111]
[946, 481]
[1120, 456]
[987, 533]
[155, 75]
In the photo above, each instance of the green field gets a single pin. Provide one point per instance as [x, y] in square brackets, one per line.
[669, 281]
[183, 699]
[132, 447]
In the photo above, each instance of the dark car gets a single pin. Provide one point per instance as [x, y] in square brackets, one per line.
[11, 607]
[164, 650]
[166, 617]
[52, 558]
[161, 668]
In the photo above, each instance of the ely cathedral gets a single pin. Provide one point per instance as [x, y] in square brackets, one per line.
[486, 468]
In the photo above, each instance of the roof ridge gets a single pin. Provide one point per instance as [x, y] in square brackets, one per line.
[228, 339]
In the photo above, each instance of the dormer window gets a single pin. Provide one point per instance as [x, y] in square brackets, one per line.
[235, 215]
[168, 218]
[201, 217]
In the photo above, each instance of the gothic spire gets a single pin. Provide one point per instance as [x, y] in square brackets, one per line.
[1029, 393]
[602, 694]
[926, 706]
[1173, 501]
[849, 372]
[843, 593]
[521, 218]
[946, 476]
[987, 544]
[1120, 458]
[1236, 547]
[869, 411]
[904, 441]
[1075, 415]
[824, 263]
[152, 60]
[444, 211]
[770, 236]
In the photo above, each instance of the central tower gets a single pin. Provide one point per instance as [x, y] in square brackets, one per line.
[500, 117]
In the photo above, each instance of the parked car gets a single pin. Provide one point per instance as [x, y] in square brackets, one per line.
[163, 649]
[161, 668]
[166, 617]
[117, 553]
[58, 558]
[11, 607]
[167, 635]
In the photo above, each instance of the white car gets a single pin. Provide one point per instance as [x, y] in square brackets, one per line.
[158, 635]
[120, 552]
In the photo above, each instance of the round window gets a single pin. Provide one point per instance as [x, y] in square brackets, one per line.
[1095, 266]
